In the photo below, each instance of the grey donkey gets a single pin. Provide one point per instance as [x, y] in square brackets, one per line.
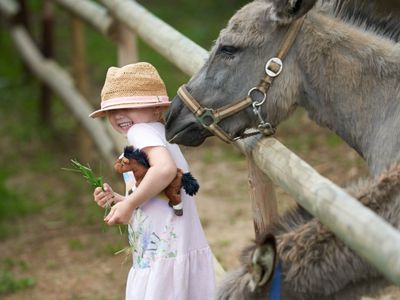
[345, 72]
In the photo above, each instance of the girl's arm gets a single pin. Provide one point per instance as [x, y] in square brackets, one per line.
[160, 174]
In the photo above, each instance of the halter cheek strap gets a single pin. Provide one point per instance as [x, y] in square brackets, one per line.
[209, 117]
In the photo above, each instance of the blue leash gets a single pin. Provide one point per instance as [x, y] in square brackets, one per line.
[275, 291]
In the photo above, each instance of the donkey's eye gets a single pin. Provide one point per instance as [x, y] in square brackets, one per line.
[228, 50]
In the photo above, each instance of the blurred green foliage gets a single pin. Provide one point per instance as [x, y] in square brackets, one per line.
[9, 282]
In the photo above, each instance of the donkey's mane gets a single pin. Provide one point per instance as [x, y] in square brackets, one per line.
[364, 16]
[137, 155]
[242, 30]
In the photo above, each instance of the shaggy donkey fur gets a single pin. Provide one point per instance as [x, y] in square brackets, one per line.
[364, 15]
[315, 263]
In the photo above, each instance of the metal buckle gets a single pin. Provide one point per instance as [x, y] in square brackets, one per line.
[255, 102]
[266, 129]
[265, 126]
[207, 113]
[270, 72]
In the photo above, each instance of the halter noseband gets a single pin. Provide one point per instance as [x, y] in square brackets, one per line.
[209, 117]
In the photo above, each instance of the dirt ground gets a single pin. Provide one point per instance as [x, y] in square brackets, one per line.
[71, 261]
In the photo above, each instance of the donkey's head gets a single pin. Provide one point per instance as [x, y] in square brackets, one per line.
[253, 279]
[237, 64]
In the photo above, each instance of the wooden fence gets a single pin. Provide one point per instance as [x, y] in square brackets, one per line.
[360, 228]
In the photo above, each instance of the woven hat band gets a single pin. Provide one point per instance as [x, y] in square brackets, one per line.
[135, 100]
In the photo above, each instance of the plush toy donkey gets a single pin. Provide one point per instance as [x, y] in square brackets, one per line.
[137, 162]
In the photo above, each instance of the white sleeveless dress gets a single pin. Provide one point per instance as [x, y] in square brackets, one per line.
[171, 256]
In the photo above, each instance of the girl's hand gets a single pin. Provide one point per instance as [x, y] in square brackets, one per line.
[103, 196]
[120, 213]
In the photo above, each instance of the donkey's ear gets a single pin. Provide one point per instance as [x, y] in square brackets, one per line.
[263, 262]
[285, 11]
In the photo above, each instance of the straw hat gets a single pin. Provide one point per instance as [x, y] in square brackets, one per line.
[132, 86]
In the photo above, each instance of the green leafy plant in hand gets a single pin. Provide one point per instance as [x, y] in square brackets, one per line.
[87, 173]
[94, 181]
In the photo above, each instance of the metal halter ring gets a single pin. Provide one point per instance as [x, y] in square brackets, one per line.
[256, 103]
[270, 71]
[208, 114]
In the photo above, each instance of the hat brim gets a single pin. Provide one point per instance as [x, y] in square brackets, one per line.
[102, 112]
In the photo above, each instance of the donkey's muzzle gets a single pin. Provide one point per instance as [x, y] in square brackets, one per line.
[182, 128]
[191, 135]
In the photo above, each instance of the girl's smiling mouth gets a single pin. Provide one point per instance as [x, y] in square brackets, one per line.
[125, 125]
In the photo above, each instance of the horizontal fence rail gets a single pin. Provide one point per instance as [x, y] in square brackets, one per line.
[360, 228]
[93, 14]
[9, 8]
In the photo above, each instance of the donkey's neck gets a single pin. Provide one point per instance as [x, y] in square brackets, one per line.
[351, 85]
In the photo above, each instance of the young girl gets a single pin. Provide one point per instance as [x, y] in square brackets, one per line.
[171, 257]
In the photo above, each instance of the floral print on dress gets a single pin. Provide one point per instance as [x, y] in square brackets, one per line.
[146, 245]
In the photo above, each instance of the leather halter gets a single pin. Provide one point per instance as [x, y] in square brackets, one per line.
[209, 117]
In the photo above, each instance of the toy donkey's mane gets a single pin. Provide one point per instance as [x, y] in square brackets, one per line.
[363, 15]
[138, 155]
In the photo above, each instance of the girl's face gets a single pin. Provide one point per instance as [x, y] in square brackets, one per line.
[123, 119]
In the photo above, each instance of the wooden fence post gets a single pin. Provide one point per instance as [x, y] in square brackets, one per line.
[23, 19]
[262, 190]
[127, 46]
[78, 62]
[263, 199]
[47, 51]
